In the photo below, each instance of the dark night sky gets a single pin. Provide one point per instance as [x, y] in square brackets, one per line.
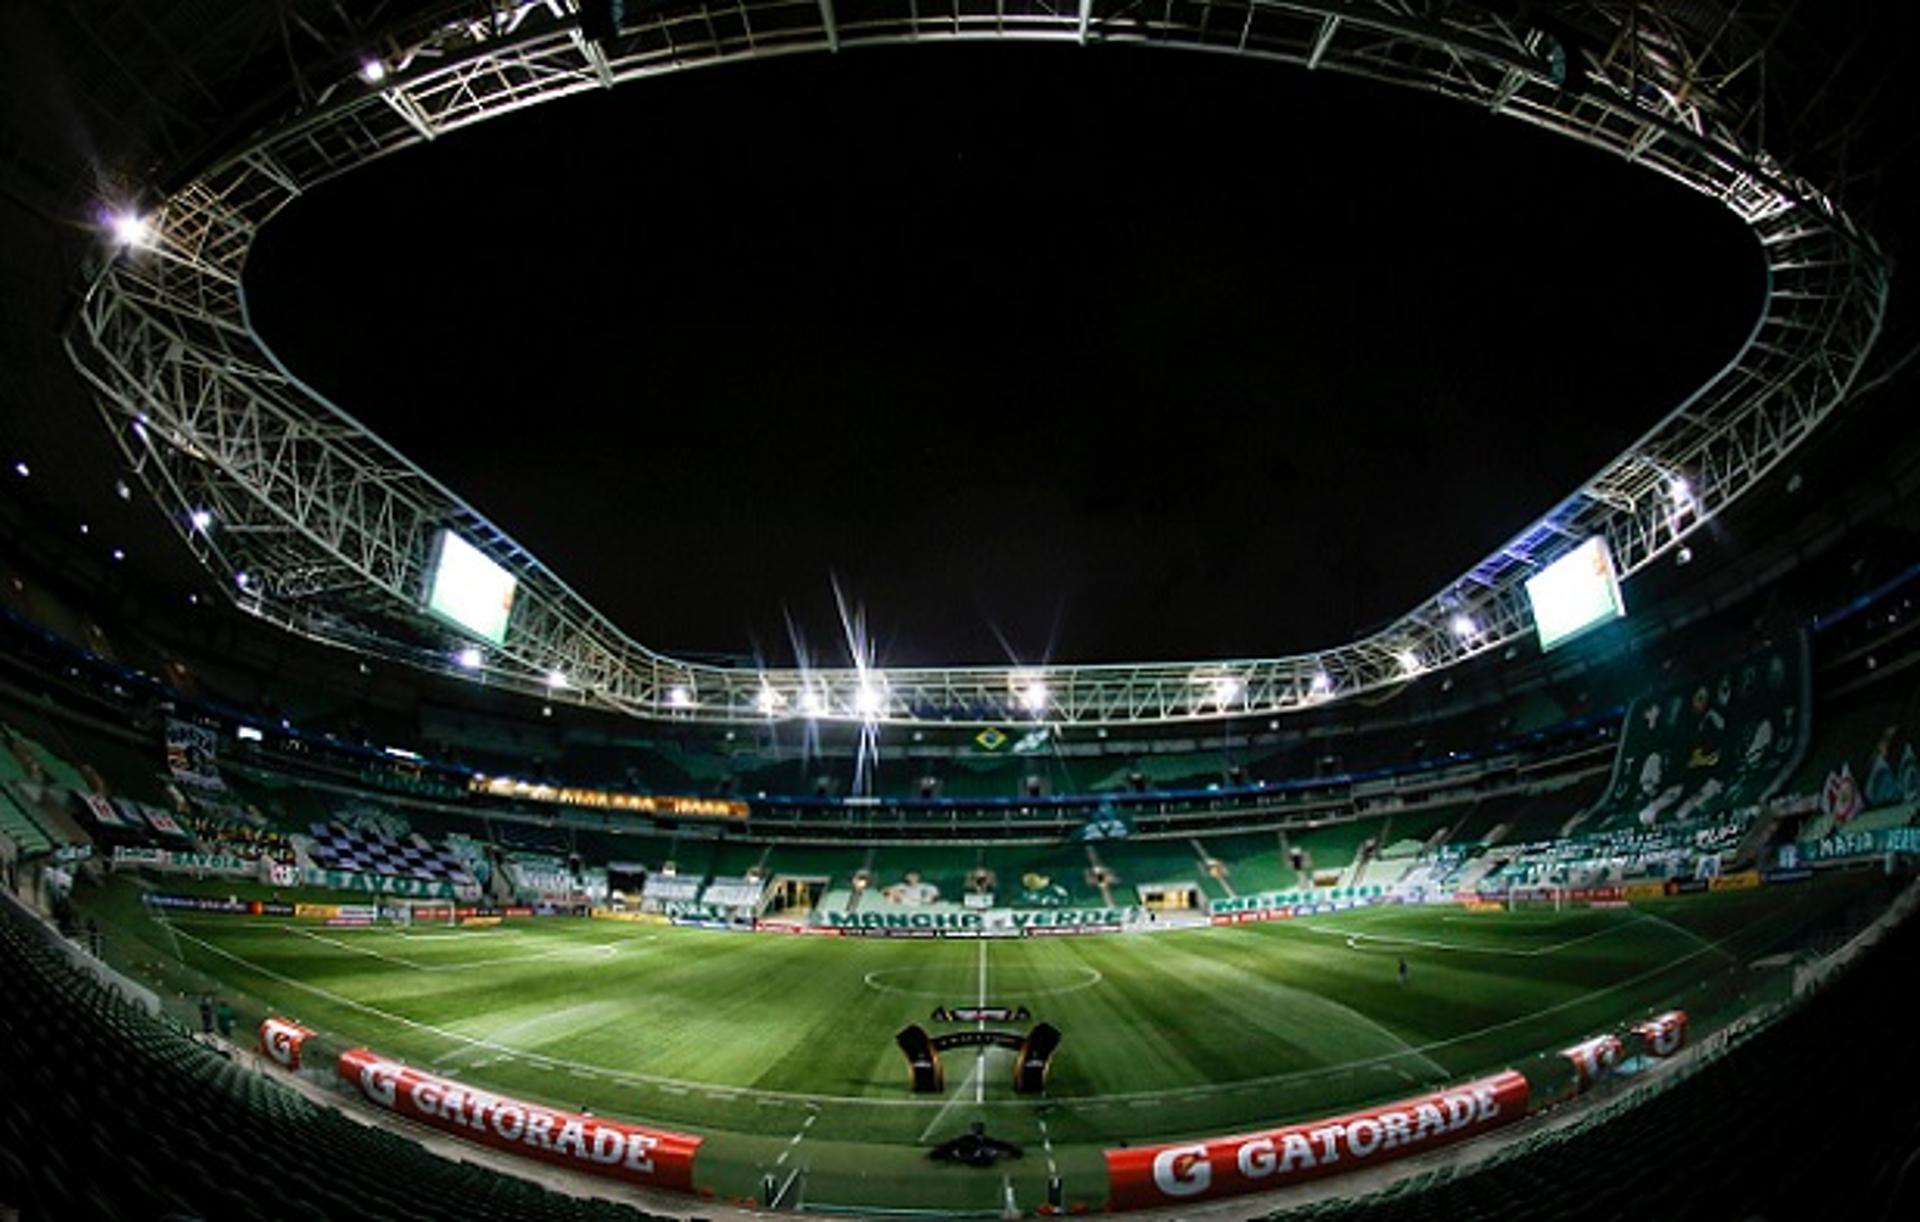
[1103, 354]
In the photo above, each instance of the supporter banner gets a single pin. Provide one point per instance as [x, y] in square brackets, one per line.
[1271, 900]
[162, 821]
[282, 1039]
[102, 810]
[385, 884]
[184, 862]
[655, 1158]
[998, 921]
[1593, 1059]
[1742, 881]
[191, 755]
[1145, 1177]
[1663, 1034]
[1842, 845]
[606, 799]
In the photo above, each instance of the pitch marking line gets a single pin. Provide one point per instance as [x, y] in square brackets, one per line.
[680, 1086]
[1469, 948]
[876, 980]
[795, 1140]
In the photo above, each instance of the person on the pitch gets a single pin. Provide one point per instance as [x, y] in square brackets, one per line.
[1403, 969]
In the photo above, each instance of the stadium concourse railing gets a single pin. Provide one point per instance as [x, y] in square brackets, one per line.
[312, 522]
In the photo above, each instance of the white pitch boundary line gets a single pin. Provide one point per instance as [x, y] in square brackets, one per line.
[681, 1085]
[1470, 948]
[796, 1139]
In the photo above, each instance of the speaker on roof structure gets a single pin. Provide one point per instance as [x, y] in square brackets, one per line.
[1035, 1061]
[924, 1073]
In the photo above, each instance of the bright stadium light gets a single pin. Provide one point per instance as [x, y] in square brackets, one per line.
[867, 701]
[1409, 662]
[241, 579]
[202, 519]
[810, 703]
[372, 71]
[1033, 697]
[468, 658]
[1321, 684]
[1680, 492]
[768, 701]
[21, 469]
[556, 679]
[129, 229]
[1226, 690]
[679, 697]
[1464, 626]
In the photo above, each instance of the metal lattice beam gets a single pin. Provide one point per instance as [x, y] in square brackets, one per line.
[326, 530]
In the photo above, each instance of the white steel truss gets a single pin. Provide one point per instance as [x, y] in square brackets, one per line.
[326, 530]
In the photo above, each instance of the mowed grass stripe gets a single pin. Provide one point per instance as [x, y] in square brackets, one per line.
[1235, 1026]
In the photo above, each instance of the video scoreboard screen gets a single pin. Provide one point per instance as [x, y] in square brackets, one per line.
[1575, 594]
[469, 590]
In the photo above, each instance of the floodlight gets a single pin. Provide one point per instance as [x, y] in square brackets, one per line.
[556, 678]
[20, 469]
[468, 658]
[1033, 697]
[1226, 690]
[768, 701]
[1321, 684]
[867, 702]
[1464, 627]
[372, 71]
[119, 554]
[810, 702]
[1409, 662]
[129, 229]
[240, 579]
[201, 519]
[679, 697]
[1680, 492]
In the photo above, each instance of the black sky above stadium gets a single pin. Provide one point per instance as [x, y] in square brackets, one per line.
[1047, 353]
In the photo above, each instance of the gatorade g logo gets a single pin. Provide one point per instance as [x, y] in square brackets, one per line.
[1182, 1171]
[377, 1081]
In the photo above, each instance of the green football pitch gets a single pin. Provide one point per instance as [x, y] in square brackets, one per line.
[780, 1051]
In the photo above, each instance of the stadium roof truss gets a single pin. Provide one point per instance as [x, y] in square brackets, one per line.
[326, 530]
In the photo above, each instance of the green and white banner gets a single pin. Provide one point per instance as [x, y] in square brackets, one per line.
[1005, 922]
[1268, 901]
[184, 862]
[1842, 845]
[386, 884]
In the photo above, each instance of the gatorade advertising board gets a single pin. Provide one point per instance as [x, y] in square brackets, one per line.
[1148, 1177]
[654, 1158]
[282, 1039]
[1593, 1059]
[1662, 1035]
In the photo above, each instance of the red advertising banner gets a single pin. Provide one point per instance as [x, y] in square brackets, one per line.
[1663, 1034]
[653, 1157]
[1593, 1059]
[282, 1039]
[1146, 1177]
